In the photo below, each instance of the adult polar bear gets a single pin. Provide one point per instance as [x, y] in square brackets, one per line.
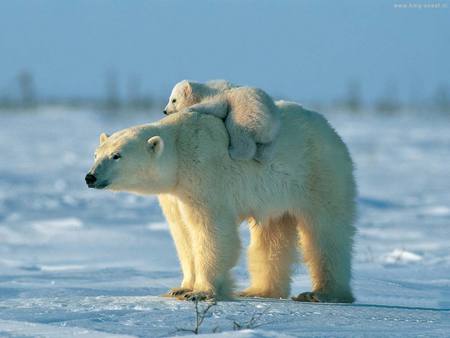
[304, 196]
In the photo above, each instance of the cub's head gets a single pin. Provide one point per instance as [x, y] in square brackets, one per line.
[184, 94]
[133, 160]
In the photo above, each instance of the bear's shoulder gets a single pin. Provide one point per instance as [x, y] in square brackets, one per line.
[195, 130]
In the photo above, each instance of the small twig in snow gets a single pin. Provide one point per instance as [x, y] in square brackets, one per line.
[252, 322]
[200, 314]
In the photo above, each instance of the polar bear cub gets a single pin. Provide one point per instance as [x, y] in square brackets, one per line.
[251, 116]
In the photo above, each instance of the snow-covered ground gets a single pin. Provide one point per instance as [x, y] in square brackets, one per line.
[79, 262]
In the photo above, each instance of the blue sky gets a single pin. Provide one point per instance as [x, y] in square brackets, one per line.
[305, 50]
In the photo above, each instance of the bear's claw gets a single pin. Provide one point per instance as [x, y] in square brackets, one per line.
[258, 294]
[197, 296]
[246, 293]
[323, 297]
[176, 292]
[311, 297]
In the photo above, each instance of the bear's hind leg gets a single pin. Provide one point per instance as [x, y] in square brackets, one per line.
[271, 255]
[327, 251]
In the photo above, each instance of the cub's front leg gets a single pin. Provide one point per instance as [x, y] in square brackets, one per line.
[216, 106]
[216, 248]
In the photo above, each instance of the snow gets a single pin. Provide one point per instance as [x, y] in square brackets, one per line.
[401, 256]
[79, 262]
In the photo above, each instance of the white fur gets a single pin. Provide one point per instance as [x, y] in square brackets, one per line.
[303, 199]
[220, 85]
[251, 117]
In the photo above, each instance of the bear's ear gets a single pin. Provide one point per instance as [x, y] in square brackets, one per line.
[187, 88]
[103, 137]
[155, 145]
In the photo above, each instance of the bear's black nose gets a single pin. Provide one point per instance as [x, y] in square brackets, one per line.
[90, 179]
[165, 112]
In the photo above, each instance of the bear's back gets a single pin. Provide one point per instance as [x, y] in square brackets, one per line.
[204, 136]
[203, 139]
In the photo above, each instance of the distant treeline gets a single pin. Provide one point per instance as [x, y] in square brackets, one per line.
[22, 94]
[390, 102]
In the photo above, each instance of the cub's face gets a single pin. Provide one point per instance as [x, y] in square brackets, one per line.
[182, 97]
[129, 161]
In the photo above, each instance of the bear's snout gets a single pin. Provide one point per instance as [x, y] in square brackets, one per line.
[90, 180]
[165, 112]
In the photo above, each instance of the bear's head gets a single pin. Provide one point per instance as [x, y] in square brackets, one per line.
[136, 160]
[184, 94]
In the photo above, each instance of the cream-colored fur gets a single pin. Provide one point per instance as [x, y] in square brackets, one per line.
[251, 116]
[303, 199]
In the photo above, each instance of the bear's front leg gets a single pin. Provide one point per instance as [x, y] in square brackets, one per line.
[216, 248]
[183, 243]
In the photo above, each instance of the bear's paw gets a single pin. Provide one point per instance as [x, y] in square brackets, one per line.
[323, 297]
[310, 297]
[252, 293]
[176, 292]
[199, 296]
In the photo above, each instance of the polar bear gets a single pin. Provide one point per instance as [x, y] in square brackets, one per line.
[304, 199]
[220, 84]
[251, 117]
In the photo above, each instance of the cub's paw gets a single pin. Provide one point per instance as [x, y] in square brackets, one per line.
[264, 152]
[198, 296]
[177, 292]
[241, 154]
[311, 297]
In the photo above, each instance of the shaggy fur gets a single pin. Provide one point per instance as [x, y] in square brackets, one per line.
[303, 199]
[251, 117]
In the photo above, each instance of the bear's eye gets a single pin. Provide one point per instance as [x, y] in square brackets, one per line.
[116, 156]
[174, 100]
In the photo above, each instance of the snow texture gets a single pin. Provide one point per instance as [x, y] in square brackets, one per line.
[80, 262]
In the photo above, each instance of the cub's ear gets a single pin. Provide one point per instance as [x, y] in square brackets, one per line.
[155, 145]
[187, 88]
[103, 137]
